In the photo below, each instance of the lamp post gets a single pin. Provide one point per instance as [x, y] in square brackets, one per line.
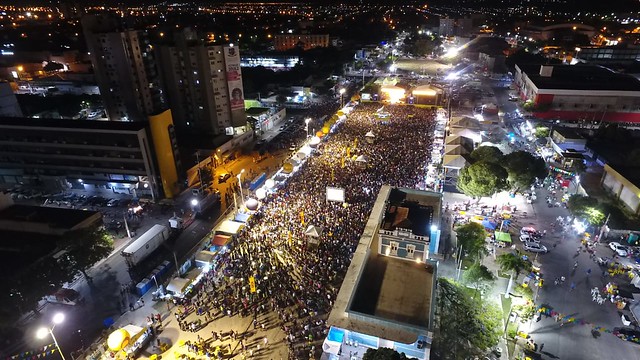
[342, 91]
[306, 123]
[44, 331]
[240, 186]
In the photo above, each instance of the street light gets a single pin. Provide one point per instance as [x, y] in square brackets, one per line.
[240, 186]
[194, 202]
[306, 123]
[342, 91]
[44, 331]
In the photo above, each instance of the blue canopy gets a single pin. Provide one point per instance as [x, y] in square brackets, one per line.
[489, 224]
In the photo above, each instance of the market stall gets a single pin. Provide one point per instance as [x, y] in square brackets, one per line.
[178, 286]
[229, 227]
[128, 341]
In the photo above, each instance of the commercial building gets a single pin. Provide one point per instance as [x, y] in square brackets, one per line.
[623, 182]
[136, 157]
[579, 92]
[305, 41]
[387, 298]
[607, 55]
[125, 69]
[203, 85]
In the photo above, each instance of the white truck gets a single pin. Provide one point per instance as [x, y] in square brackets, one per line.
[145, 245]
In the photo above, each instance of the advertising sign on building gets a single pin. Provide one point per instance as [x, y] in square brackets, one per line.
[234, 77]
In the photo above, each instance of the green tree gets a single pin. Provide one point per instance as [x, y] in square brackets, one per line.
[487, 153]
[512, 262]
[85, 247]
[523, 169]
[482, 179]
[471, 237]
[587, 208]
[478, 274]
[542, 132]
[465, 328]
[383, 354]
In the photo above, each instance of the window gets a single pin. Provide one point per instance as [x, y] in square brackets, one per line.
[394, 247]
[411, 249]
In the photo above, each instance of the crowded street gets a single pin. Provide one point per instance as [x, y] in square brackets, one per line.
[295, 280]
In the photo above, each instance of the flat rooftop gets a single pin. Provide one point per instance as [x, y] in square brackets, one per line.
[73, 124]
[256, 111]
[580, 77]
[58, 218]
[383, 296]
[388, 290]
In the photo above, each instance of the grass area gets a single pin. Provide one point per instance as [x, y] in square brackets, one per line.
[506, 306]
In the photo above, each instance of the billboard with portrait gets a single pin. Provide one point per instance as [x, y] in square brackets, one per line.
[234, 77]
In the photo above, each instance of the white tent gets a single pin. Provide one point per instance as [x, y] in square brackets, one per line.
[370, 134]
[178, 285]
[465, 122]
[455, 150]
[362, 159]
[230, 227]
[468, 133]
[456, 162]
[313, 231]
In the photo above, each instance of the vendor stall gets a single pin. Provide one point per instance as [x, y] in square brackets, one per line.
[205, 258]
[503, 237]
[229, 227]
[178, 286]
[128, 341]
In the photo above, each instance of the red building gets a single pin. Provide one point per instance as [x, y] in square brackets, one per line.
[579, 92]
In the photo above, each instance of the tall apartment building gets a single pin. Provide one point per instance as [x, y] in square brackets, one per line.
[455, 27]
[125, 69]
[8, 102]
[203, 84]
[289, 41]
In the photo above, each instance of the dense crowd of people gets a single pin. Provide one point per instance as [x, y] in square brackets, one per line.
[298, 279]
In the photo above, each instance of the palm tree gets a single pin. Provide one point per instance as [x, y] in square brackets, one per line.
[512, 262]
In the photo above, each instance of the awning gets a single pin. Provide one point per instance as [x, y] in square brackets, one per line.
[333, 342]
[503, 236]
[205, 257]
[230, 227]
[177, 285]
[220, 240]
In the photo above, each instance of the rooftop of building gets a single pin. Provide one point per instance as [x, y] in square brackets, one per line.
[631, 173]
[73, 124]
[407, 214]
[384, 296]
[58, 218]
[256, 111]
[580, 77]
[568, 133]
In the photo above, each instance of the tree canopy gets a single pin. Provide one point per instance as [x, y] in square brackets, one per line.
[482, 179]
[523, 168]
[464, 327]
[85, 247]
[383, 354]
[487, 153]
[472, 237]
[512, 262]
[477, 274]
[587, 208]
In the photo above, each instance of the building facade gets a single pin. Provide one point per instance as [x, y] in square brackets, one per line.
[607, 55]
[8, 102]
[125, 69]
[204, 84]
[305, 41]
[579, 93]
[623, 184]
[62, 154]
[455, 27]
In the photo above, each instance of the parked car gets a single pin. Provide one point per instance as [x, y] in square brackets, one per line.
[528, 230]
[529, 238]
[621, 250]
[112, 202]
[534, 247]
[223, 178]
